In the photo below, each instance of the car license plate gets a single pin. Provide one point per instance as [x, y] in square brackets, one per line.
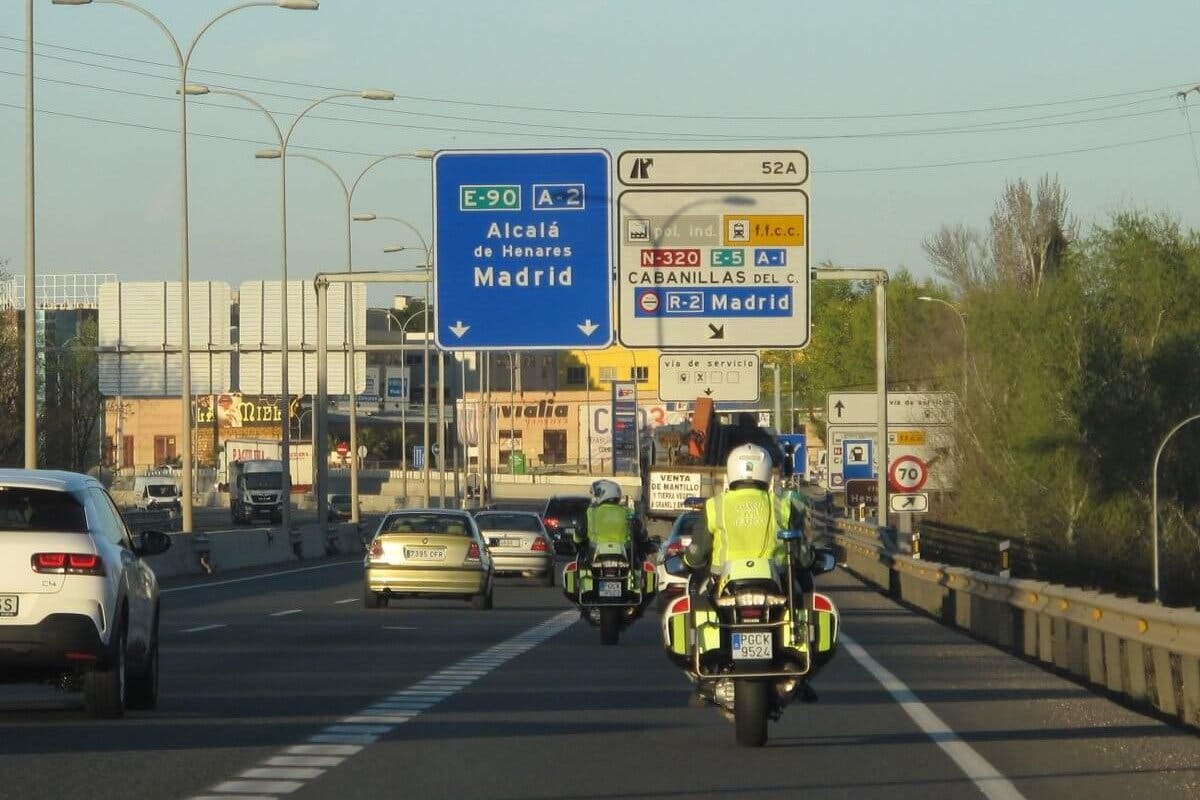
[425, 553]
[751, 645]
[610, 588]
[8, 605]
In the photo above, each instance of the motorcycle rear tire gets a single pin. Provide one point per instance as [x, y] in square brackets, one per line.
[750, 712]
[610, 625]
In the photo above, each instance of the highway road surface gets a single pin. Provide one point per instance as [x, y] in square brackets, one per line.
[278, 683]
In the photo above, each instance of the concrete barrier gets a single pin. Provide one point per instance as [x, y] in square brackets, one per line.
[252, 548]
[1146, 653]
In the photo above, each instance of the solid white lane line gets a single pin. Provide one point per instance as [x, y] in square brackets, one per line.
[235, 797]
[211, 584]
[989, 780]
[396, 627]
[286, 772]
[304, 761]
[204, 628]
[286, 613]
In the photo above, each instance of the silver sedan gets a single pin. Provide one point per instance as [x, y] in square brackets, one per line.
[519, 543]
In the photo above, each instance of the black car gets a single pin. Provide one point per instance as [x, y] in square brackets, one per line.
[564, 516]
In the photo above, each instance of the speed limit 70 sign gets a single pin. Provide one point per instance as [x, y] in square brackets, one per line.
[907, 474]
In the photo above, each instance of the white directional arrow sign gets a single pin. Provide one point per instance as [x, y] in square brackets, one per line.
[914, 502]
[458, 329]
[587, 327]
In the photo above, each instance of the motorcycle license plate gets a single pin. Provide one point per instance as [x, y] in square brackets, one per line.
[610, 588]
[754, 646]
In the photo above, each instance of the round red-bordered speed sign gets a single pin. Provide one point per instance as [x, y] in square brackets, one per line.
[907, 474]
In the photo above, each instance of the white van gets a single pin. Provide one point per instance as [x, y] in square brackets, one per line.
[154, 493]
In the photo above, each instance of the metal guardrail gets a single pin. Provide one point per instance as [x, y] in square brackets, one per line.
[1144, 652]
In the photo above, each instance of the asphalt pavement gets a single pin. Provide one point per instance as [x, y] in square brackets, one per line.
[279, 683]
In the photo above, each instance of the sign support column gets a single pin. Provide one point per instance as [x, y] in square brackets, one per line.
[878, 277]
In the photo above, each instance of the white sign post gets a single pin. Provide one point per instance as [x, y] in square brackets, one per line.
[713, 249]
[722, 377]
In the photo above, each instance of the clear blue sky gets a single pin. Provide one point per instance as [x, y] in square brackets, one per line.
[868, 89]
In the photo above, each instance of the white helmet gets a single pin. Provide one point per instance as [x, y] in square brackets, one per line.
[604, 491]
[748, 462]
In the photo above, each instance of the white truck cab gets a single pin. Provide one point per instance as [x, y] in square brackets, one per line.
[256, 489]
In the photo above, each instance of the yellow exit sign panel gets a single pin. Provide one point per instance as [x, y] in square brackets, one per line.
[764, 229]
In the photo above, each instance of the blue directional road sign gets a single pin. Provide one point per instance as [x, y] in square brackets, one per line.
[523, 249]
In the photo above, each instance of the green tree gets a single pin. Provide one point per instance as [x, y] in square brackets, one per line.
[73, 405]
[12, 380]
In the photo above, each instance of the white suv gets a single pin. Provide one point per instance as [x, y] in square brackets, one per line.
[78, 606]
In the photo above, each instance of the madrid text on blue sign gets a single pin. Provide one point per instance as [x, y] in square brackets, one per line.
[741, 301]
[523, 254]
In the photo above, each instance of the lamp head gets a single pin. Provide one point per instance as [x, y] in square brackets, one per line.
[377, 94]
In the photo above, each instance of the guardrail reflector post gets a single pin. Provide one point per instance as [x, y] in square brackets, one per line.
[1005, 565]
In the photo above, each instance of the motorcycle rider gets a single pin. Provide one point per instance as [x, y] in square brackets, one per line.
[607, 520]
[742, 522]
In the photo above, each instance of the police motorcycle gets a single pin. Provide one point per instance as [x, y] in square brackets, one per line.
[746, 640]
[611, 585]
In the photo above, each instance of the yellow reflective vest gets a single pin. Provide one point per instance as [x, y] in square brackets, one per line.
[607, 523]
[743, 524]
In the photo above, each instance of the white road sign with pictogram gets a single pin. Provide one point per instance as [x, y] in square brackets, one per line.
[713, 249]
[722, 377]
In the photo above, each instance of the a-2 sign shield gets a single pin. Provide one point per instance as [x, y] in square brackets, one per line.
[907, 474]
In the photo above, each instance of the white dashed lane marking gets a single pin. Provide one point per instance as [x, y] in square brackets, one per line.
[286, 613]
[203, 628]
[287, 771]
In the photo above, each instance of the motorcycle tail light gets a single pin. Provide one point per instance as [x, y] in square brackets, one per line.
[571, 567]
[680, 606]
[821, 603]
[753, 614]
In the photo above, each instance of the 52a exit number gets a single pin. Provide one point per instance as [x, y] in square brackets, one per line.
[779, 168]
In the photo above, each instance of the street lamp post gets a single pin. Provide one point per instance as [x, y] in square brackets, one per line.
[30, 255]
[282, 138]
[367, 217]
[1154, 501]
[183, 57]
[962, 319]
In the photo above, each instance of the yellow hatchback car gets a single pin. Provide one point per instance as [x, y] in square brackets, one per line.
[428, 553]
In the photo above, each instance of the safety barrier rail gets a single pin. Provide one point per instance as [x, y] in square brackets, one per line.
[1144, 652]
